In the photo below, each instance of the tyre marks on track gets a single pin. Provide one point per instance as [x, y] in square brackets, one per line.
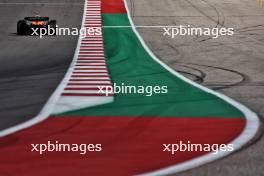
[201, 75]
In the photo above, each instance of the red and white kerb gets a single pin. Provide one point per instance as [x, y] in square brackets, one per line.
[82, 86]
[90, 70]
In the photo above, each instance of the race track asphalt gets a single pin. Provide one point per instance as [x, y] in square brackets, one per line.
[31, 68]
[232, 65]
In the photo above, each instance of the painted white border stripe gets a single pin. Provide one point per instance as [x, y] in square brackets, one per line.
[55, 98]
[83, 57]
[90, 48]
[90, 78]
[248, 133]
[74, 71]
[93, 53]
[84, 91]
[82, 86]
[91, 64]
[93, 50]
[93, 17]
[252, 121]
[91, 42]
[100, 61]
[91, 74]
[50, 104]
[91, 82]
[92, 45]
[90, 38]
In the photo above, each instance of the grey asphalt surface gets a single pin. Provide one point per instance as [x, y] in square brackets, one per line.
[30, 67]
[233, 65]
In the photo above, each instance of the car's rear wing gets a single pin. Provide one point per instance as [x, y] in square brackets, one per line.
[37, 18]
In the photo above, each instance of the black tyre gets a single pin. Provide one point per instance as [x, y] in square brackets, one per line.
[52, 24]
[28, 30]
[21, 27]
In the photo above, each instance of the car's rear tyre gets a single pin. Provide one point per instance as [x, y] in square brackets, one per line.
[21, 27]
[52, 24]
